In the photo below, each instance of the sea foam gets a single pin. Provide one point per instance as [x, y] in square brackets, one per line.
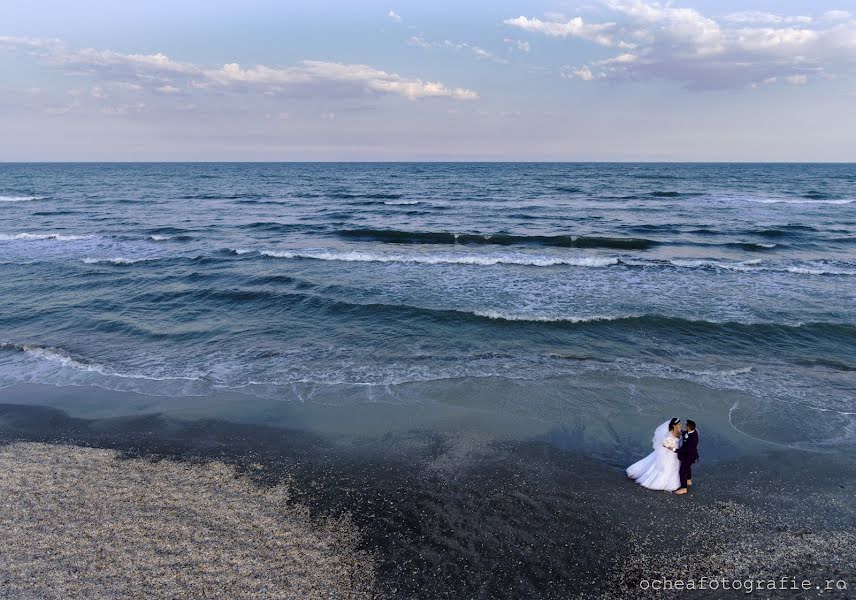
[20, 198]
[448, 259]
[43, 236]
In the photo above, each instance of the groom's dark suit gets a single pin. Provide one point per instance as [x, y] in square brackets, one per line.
[688, 454]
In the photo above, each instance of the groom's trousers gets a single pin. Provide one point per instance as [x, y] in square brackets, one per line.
[685, 472]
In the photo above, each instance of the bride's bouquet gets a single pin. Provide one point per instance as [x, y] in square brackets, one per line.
[670, 442]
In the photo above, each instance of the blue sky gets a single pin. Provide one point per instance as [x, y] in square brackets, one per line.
[326, 80]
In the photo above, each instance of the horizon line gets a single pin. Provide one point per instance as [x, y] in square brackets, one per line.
[474, 161]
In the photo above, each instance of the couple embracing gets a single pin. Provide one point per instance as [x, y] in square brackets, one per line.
[669, 466]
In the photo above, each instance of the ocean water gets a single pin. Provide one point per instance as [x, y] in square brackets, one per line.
[367, 283]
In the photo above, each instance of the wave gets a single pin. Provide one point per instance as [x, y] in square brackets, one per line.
[168, 231]
[43, 236]
[56, 355]
[370, 196]
[274, 226]
[750, 246]
[21, 198]
[213, 196]
[501, 316]
[670, 194]
[811, 271]
[673, 324]
[758, 265]
[726, 372]
[781, 231]
[53, 213]
[546, 260]
[805, 200]
[449, 259]
[401, 202]
[390, 236]
[827, 363]
[69, 360]
[116, 261]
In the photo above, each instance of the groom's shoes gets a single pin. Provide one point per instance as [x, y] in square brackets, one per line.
[681, 491]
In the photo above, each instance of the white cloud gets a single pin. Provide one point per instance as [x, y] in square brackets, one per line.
[789, 79]
[836, 15]
[394, 16]
[703, 52]
[754, 16]
[124, 109]
[349, 80]
[583, 73]
[520, 45]
[421, 42]
[572, 28]
[160, 74]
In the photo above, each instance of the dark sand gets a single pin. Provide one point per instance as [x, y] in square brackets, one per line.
[445, 516]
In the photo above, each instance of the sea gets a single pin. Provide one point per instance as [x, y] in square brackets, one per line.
[581, 296]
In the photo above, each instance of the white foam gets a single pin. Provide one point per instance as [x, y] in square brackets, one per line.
[749, 265]
[810, 271]
[66, 360]
[119, 260]
[799, 201]
[401, 202]
[20, 198]
[55, 355]
[449, 259]
[757, 265]
[501, 316]
[726, 372]
[160, 238]
[43, 236]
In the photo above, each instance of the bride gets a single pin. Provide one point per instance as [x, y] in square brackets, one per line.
[659, 470]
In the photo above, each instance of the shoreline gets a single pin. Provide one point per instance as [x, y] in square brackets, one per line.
[445, 515]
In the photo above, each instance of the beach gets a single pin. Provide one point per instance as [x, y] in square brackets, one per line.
[258, 511]
[424, 380]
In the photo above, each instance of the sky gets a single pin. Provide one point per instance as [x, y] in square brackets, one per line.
[594, 80]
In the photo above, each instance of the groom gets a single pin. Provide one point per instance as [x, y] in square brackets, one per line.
[687, 454]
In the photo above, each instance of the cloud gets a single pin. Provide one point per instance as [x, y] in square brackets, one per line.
[704, 52]
[755, 16]
[159, 74]
[481, 53]
[394, 16]
[573, 28]
[347, 80]
[583, 73]
[789, 79]
[836, 15]
[520, 45]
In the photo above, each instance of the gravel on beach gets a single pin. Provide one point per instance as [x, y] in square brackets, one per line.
[157, 507]
[83, 523]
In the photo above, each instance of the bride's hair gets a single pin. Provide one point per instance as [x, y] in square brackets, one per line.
[673, 422]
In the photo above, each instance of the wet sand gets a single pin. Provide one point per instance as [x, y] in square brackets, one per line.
[430, 515]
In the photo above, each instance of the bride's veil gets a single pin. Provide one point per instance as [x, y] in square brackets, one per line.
[660, 434]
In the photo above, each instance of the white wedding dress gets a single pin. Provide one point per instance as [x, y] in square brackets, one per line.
[658, 470]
